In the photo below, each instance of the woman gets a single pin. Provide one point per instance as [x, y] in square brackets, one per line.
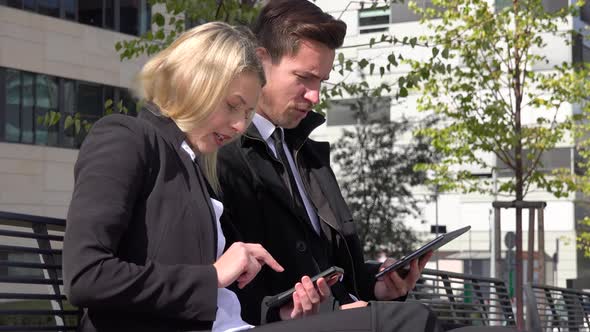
[142, 248]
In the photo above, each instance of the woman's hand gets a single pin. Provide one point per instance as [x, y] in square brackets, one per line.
[242, 262]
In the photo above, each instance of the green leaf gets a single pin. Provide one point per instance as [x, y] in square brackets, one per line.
[68, 122]
[77, 126]
[158, 19]
[363, 63]
[434, 52]
[403, 92]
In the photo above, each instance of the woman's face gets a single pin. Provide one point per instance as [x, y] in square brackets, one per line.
[231, 116]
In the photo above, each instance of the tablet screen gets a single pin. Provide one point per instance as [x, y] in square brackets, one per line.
[438, 242]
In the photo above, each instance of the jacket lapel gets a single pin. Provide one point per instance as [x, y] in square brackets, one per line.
[258, 154]
[174, 136]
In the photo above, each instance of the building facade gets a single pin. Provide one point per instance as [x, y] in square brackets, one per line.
[471, 253]
[57, 59]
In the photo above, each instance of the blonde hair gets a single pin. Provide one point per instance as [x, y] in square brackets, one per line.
[189, 78]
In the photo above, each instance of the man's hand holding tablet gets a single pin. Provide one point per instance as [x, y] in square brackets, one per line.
[396, 278]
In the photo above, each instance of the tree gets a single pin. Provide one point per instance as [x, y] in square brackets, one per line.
[377, 174]
[481, 80]
[174, 16]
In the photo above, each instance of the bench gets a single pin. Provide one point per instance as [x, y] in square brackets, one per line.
[557, 309]
[31, 285]
[32, 299]
[464, 300]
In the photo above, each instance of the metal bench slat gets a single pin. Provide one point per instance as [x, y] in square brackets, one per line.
[38, 328]
[28, 235]
[29, 250]
[31, 280]
[29, 296]
[30, 265]
[32, 312]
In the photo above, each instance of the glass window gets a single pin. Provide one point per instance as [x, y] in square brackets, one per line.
[550, 160]
[129, 102]
[30, 5]
[12, 110]
[69, 9]
[550, 6]
[90, 106]
[69, 97]
[90, 12]
[130, 16]
[28, 102]
[48, 7]
[12, 3]
[26, 99]
[109, 14]
[374, 16]
[401, 13]
[46, 102]
[585, 12]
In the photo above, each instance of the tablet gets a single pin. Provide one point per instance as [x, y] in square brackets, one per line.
[438, 242]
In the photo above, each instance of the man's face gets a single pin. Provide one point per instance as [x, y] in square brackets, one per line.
[293, 84]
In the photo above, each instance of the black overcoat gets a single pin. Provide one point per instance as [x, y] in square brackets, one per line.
[259, 209]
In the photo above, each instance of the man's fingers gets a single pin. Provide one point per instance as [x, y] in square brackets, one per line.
[398, 283]
[323, 288]
[312, 293]
[306, 304]
[424, 259]
[297, 310]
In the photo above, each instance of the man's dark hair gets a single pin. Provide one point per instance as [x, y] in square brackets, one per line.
[283, 23]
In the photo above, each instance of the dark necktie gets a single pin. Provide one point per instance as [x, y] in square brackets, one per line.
[288, 177]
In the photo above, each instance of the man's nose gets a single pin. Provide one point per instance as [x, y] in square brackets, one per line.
[312, 95]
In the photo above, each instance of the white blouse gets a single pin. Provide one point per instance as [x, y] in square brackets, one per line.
[228, 318]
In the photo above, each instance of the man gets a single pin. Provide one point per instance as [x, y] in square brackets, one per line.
[277, 184]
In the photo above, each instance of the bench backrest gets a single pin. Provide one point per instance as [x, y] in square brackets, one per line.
[557, 309]
[465, 300]
[31, 285]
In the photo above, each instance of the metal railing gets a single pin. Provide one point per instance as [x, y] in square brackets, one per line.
[31, 285]
[465, 300]
[557, 309]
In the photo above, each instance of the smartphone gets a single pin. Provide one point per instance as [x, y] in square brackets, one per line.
[403, 264]
[331, 275]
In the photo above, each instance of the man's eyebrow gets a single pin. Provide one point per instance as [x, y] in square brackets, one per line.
[314, 75]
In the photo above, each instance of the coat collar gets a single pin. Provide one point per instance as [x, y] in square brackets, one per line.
[294, 137]
[166, 127]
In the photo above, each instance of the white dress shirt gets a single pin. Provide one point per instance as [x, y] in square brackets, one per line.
[266, 128]
[228, 317]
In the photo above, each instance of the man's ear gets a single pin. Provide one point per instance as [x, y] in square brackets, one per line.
[264, 57]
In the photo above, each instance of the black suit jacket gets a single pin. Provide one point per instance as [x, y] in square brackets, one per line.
[258, 208]
[140, 237]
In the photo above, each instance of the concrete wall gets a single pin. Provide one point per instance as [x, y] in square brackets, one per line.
[53, 46]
